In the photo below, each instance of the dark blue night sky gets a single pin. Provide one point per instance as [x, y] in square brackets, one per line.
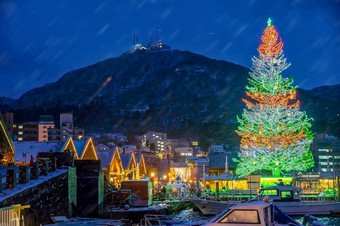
[41, 40]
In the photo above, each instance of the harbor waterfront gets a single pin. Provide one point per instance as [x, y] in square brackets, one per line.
[153, 135]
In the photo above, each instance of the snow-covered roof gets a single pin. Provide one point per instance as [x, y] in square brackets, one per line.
[126, 158]
[106, 156]
[79, 145]
[101, 146]
[138, 158]
[34, 147]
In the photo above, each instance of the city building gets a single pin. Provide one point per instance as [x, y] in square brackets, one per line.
[326, 149]
[216, 149]
[156, 139]
[27, 150]
[8, 119]
[141, 167]
[129, 165]
[86, 149]
[180, 169]
[184, 151]
[201, 165]
[66, 129]
[53, 134]
[46, 122]
[112, 165]
[27, 131]
[172, 144]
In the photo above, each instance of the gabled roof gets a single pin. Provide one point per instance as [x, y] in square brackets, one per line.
[80, 146]
[138, 158]
[6, 143]
[126, 158]
[106, 156]
[34, 147]
[69, 144]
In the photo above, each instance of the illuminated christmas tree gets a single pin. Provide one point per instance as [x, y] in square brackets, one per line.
[275, 133]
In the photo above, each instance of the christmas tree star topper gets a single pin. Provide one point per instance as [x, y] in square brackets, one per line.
[269, 22]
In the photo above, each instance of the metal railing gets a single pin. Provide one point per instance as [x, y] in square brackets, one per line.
[11, 216]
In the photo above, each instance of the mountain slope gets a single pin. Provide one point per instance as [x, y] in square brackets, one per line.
[188, 95]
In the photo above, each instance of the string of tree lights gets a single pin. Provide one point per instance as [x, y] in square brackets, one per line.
[275, 134]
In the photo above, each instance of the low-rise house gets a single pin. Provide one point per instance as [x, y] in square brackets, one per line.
[27, 150]
[7, 150]
[180, 169]
[141, 167]
[129, 165]
[86, 149]
[112, 165]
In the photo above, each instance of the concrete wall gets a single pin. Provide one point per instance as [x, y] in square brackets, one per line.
[49, 197]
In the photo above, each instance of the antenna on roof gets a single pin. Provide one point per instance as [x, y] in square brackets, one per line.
[134, 39]
[137, 38]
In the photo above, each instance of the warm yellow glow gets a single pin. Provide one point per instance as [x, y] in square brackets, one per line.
[164, 177]
[152, 174]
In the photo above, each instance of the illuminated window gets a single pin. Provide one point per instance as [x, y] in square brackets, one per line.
[324, 157]
[269, 192]
[325, 163]
[20, 133]
[19, 138]
[325, 150]
[14, 126]
[20, 127]
[286, 194]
